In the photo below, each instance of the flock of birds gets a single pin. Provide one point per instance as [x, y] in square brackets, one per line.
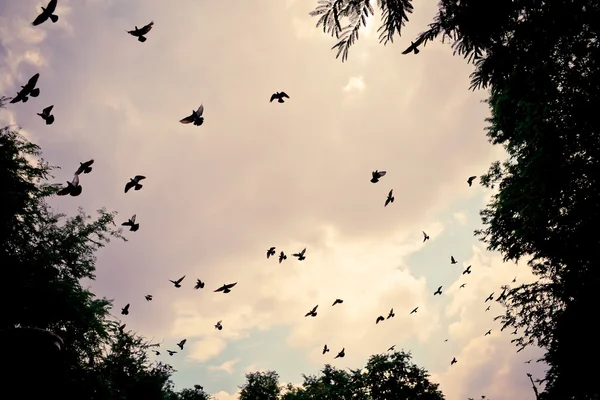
[196, 118]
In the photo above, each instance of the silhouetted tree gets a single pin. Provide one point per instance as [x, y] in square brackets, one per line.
[261, 385]
[193, 394]
[4, 100]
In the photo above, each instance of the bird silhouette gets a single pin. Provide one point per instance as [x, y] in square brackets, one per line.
[271, 252]
[180, 344]
[84, 167]
[471, 179]
[379, 319]
[341, 354]
[199, 284]
[467, 270]
[325, 349]
[122, 328]
[453, 361]
[337, 301]
[125, 310]
[452, 260]
[28, 90]
[46, 13]
[156, 352]
[439, 291]
[219, 326]
[177, 283]
[490, 298]
[514, 332]
[376, 175]
[528, 362]
[226, 288]
[133, 226]
[390, 198]
[514, 280]
[46, 116]
[425, 236]
[488, 333]
[446, 340]
[171, 352]
[313, 312]
[195, 117]
[392, 348]
[134, 183]
[141, 32]
[279, 96]
[462, 286]
[73, 188]
[391, 314]
[413, 48]
[282, 257]
[414, 310]
[148, 297]
[300, 255]
[488, 308]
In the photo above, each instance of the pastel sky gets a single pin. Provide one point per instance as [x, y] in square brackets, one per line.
[259, 174]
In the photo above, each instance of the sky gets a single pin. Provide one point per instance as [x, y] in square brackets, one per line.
[258, 174]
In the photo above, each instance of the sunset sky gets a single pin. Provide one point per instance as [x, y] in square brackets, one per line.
[259, 174]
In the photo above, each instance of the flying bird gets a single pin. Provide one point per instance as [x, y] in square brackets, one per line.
[471, 179]
[73, 188]
[325, 349]
[279, 96]
[156, 352]
[28, 90]
[122, 328]
[452, 260]
[528, 362]
[490, 298]
[313, 312]
[488, 308]
[84, 167]
[180, 344]
[134, 183]
[219, 326]
[413, 48]
[199, 284]
[453, 361]
[131, 224]
[446, 340]
[171, 352]
[125, 310]
[467, 271]
[300, 255]
[392, 348]
[195, 117]
[391, 314]
[47, 12]
[379, 319]
[226, 288]
[337, 301]
[439, 291]
[425, 236]
[271, 252]
[462, 286]
[341, 354]
[514, 332]
[514, 280]
[282, 257]
[46, 116]
[390, 198]
[488, 333]
[415, 310]
[177, 283]
[376, 175]
[148, 297]
[139, 33]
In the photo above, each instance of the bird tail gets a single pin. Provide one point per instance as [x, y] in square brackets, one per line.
[35, 92]
[417, 51]
[50, 120]
[142, 39]
[54, 18]
[392, 199]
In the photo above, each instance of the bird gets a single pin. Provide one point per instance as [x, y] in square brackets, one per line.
[300, 255]
[390, 198]
[84, 167]
[177, 283]
[391, 314]
[156, 352]
[462, 286]
[180, 344]
[514, 332]
[122, 328]
[73, 188]
[271, 252]
[279, 96]
[139, 33]
[528, 362]
[471, 179]
[439, 291]
[452, 260]
[488, 308]
[131, 224]
[148, 297]
[379, 319]
[195, 117]
[488, 333]
[46, 116]
[490, 298]
[282, 257]
[226, 288]
[453, 361]
[413, 48]
[125, 310]
[514, 280]
[134, 183]
[341, 354]
[392, 348]
[325, 349]
[46, 13]
[337, 301]
[415, 310]
[171, 352]
[218, 325]
[467, 270]
[446, 340]
[376, 175]
[313, 312]
[28, 90]
[199, 284]
[425, 236]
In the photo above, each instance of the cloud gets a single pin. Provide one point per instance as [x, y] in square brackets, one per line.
[460, 217]
[227, 366]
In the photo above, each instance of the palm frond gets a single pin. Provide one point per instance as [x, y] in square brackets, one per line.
[358, 12]
[329, 10]
[394, 16]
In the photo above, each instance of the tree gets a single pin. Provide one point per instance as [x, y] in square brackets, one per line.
[261, 385]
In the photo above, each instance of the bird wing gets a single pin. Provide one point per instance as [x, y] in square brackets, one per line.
[145, 29]
[230, 285]
[32, 82]
[47, 110]
[139, 178]
[180, 279]
[273, 97]
[390, 193]
[75, 180]
[220, 289]
[187, 120]
[40, 18]
[200, 110]
[409, 49]
[382, 173]
[128, 186]
[51, 7]
[303, 251]
[132, 219]
[64, 191]
[17, 98]
[284, 94]
[440, 288]
[452, 259]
